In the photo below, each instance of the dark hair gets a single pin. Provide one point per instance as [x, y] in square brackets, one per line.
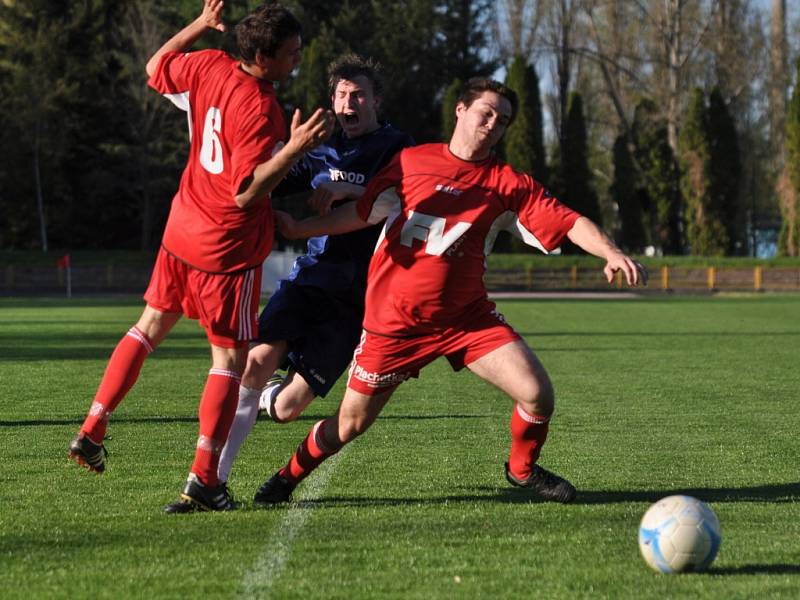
[264, 30]
[349, 66]
[477, 85]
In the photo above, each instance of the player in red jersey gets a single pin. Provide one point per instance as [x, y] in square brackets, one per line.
[444, 205]
[220, 225]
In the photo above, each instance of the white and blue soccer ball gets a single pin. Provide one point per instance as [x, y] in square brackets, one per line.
[679, 534]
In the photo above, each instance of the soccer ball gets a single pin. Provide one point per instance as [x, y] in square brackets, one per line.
[679, 533]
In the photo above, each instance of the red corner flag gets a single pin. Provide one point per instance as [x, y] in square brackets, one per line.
[63, 262]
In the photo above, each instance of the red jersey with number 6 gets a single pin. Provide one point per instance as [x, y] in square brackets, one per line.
[442, 217]
[235, 123]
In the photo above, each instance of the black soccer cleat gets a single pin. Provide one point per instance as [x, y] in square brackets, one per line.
[275, 490]
[198, 497]
[88, 454]
[545, 484]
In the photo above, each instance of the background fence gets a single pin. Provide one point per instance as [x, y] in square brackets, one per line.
[132, 277]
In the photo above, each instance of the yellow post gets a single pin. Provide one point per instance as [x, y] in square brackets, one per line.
[573, 275]
[664, 277]
[529, 278]
[712, 277]
[619, 279]
[757, 275]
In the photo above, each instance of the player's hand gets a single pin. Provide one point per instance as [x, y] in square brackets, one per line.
[212, 14]
[634, 271]
[286, 225]
[310, 134]
[329, 192]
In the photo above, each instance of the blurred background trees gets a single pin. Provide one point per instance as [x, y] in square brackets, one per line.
[674, 123]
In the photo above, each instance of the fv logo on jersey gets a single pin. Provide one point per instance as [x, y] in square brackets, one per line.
[430, 229]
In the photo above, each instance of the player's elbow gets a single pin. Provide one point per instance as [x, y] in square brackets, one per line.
[150, 67]
[241, 200]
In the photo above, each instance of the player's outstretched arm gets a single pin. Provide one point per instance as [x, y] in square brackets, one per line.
[210, 18]
[587, 235]
[332, 191]
[342, 220]
[304, 136]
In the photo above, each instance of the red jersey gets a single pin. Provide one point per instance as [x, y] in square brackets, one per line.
[442, 217]
[235, 122]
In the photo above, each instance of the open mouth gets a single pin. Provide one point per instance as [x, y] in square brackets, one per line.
[351, 119]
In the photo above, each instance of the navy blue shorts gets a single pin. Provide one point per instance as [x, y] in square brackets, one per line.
[321, 332]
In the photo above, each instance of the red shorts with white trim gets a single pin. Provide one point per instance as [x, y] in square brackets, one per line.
[225, 304]
[382, 363]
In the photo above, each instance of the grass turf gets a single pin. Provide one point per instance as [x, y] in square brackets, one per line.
[654, 396]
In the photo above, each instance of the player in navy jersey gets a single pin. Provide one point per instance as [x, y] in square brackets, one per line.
[312, 323]
[443, 205]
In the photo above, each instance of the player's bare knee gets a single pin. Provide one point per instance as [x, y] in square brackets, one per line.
[539, 398]
[256, 357]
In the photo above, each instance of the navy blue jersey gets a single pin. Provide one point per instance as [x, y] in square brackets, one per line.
[338, 263]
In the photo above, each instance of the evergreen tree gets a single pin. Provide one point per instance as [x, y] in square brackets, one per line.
[789, 241]
[705, 231]
[523, 145]
[576, 177]
[627, 195]
[56, 61]
[659, 177]
[309, 90]
[449, 102]
[726, 171]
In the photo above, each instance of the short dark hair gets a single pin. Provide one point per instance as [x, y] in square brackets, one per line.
[351, 65]
[477, 85]
[264, 30]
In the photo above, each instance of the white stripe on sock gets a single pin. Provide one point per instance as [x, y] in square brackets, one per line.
[140, 337]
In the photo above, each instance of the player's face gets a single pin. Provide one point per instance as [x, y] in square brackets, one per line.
[286, 59]
[485, 120]
[355, 106]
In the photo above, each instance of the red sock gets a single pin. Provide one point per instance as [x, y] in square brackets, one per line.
[309, 455]
[528, 433]
[217, 410]
[121, 373]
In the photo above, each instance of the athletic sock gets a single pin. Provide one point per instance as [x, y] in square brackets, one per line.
[309, 455]
[528, 434]
[121, 373]
[243, 421]
[217, 409]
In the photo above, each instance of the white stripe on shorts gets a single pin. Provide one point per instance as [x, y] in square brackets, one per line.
[245, 331]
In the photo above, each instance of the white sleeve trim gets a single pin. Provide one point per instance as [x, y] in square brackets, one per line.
[509, 221]
[385, 204]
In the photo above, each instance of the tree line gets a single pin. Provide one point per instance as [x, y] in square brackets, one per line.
[674, 124]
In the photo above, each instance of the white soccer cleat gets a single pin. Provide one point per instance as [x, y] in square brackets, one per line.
[268, 393]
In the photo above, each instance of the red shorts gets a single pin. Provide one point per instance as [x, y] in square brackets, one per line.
[226, 304]
[382, 363]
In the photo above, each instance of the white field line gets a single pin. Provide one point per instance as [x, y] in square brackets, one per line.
[269, 566]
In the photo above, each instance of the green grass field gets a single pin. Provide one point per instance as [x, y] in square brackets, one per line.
[655, 396]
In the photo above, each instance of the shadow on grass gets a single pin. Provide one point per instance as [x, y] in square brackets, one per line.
[193, 419]
[784, 492]
[779, 493]
[776, 569]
